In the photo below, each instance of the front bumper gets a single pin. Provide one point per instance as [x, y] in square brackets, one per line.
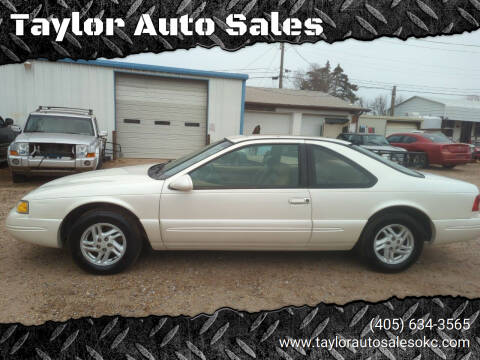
[44, 232]
[448, 231]
[46, 166]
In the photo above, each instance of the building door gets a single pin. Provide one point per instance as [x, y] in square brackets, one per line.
[466, 132]
[159, 117]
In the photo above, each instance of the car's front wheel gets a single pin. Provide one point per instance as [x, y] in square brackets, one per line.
[392, 242]
[105, 242]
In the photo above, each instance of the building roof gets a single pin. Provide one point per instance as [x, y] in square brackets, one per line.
[393, 118]
[298, 98]
[157, 68]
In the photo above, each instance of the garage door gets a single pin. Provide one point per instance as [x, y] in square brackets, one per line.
[398, 127]
[270, 123]
[160, 117]
[312, 125]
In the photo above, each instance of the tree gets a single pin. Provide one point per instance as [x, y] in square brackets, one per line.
[379, 105]
[334, 82]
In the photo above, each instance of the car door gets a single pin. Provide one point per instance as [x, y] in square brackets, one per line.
[396, 140]
[340, 190]
[252, 197]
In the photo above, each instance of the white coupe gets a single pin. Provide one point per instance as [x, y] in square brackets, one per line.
[251, 193]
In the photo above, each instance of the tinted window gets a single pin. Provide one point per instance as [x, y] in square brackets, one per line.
[375, 140]
[59, 124]
[409, 139]
[255, 166]
[331, 170]
[395, 138]
[437, 138]
[165, 170]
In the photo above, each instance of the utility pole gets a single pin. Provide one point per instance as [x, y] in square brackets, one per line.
[392, 104]
[280, 76]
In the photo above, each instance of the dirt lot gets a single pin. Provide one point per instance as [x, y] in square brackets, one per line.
[39, 284]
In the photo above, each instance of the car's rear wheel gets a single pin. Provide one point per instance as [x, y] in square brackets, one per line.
[451, 166]
[392, 242]
[105, 242]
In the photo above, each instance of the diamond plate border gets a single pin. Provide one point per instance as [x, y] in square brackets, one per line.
[232, 334]
[343, 19]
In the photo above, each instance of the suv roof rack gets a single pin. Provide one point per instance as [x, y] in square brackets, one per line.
[65, 109]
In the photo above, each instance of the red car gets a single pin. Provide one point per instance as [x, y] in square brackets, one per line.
[440, 150]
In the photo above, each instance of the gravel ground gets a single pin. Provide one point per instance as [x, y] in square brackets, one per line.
[39, 284]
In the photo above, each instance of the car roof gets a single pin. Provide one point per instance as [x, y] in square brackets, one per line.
[241, 138]
[59, 113]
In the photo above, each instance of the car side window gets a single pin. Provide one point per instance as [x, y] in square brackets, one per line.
[254, 166]
[332, 170]
[395, 139]
[409, 139]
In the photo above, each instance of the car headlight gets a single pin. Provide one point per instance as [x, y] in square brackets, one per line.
[22, 207]
[81, 150]
[19, 148]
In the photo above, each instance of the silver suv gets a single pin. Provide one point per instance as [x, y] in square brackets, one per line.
[57, 141]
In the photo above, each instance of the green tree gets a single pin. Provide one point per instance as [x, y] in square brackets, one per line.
[335, 82]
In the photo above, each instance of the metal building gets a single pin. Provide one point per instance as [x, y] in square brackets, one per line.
[460, 118]
[155, 111]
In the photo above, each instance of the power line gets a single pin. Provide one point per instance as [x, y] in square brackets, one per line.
[449, 43]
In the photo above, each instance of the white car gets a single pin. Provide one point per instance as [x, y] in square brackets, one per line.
[251, 193]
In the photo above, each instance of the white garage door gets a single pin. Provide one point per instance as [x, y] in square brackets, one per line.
[312, 125]
[398, 127]
[159, 117]
[270, 123]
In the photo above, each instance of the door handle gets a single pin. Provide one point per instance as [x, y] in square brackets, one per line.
[299, 201]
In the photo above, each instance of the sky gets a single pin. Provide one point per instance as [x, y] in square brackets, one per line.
[440, 67]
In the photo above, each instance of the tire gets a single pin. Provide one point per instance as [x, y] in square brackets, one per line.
[83, 247]
[378, 228]
[449, 166]
[18, 178]
[100, 163]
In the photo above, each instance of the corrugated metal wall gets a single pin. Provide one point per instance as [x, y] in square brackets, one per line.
[421, 106]
[23, 89]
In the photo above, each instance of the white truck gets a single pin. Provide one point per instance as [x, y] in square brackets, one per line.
[57, 141]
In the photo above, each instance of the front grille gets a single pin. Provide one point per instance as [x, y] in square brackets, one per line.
[52, 151]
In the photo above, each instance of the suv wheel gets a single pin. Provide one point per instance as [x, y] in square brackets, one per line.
[105, 242]
[392, 242]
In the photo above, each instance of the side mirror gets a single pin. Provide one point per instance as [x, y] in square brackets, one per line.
[183, 183]
[8, 122]
[103, 134]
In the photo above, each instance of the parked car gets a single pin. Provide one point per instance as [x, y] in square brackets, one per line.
[251, 193]
[375, 142]
[57, 141]
[475, 149]
[440, 150]
[8, 132]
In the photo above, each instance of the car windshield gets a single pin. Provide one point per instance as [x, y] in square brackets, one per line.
[387, 162]
[437, 138]
[165, 170]
[59, 124]
[376, 140]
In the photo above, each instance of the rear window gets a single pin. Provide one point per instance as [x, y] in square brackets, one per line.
[437, 138]
[387, 162]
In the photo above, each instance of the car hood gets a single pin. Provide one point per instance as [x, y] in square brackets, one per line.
[383, 148]
[131, 180]
[56, 138]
